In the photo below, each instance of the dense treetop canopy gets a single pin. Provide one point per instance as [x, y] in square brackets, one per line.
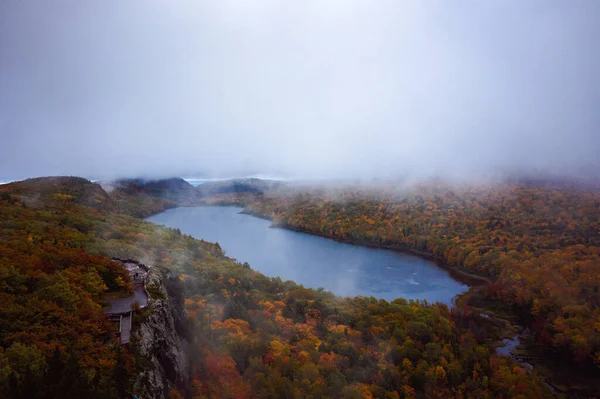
[255, 336]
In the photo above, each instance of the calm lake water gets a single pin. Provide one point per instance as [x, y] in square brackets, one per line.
[312, 261]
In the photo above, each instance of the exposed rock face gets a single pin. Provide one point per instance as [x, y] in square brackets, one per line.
[159, 339]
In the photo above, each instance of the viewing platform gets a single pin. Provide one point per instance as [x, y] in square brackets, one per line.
[120, 309]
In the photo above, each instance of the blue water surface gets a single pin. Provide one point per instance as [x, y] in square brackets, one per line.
[312, 261]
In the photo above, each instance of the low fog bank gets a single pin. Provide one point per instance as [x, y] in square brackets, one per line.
[306, 90]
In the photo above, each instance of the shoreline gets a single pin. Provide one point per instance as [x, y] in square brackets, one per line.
[256, 215]
[463, 277]
[470, 280]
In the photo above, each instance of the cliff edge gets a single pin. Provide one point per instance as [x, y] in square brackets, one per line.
[160, 337]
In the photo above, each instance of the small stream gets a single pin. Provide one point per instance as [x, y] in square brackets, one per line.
[510, 344]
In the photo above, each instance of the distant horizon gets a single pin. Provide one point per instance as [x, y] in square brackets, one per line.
[593, 180]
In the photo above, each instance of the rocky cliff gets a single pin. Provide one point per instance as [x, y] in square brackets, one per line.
[160, 338]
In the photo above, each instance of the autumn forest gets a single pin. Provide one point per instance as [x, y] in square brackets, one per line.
[531, 255]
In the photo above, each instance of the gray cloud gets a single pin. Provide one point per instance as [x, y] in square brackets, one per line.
[325, 88]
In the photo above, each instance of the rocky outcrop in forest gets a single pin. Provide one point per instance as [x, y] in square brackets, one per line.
[160, 338]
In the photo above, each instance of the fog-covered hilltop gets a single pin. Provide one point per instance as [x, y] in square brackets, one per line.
[144, 197]
[174, 188]
[237, 186]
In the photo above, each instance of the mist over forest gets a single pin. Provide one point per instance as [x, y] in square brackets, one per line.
[336, 199]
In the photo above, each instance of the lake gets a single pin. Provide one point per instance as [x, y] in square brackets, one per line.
[346, 270]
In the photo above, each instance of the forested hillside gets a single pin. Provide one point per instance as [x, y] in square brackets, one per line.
[251, 336]
[539, 247]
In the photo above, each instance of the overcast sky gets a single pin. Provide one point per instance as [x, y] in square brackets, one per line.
[331, 88]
